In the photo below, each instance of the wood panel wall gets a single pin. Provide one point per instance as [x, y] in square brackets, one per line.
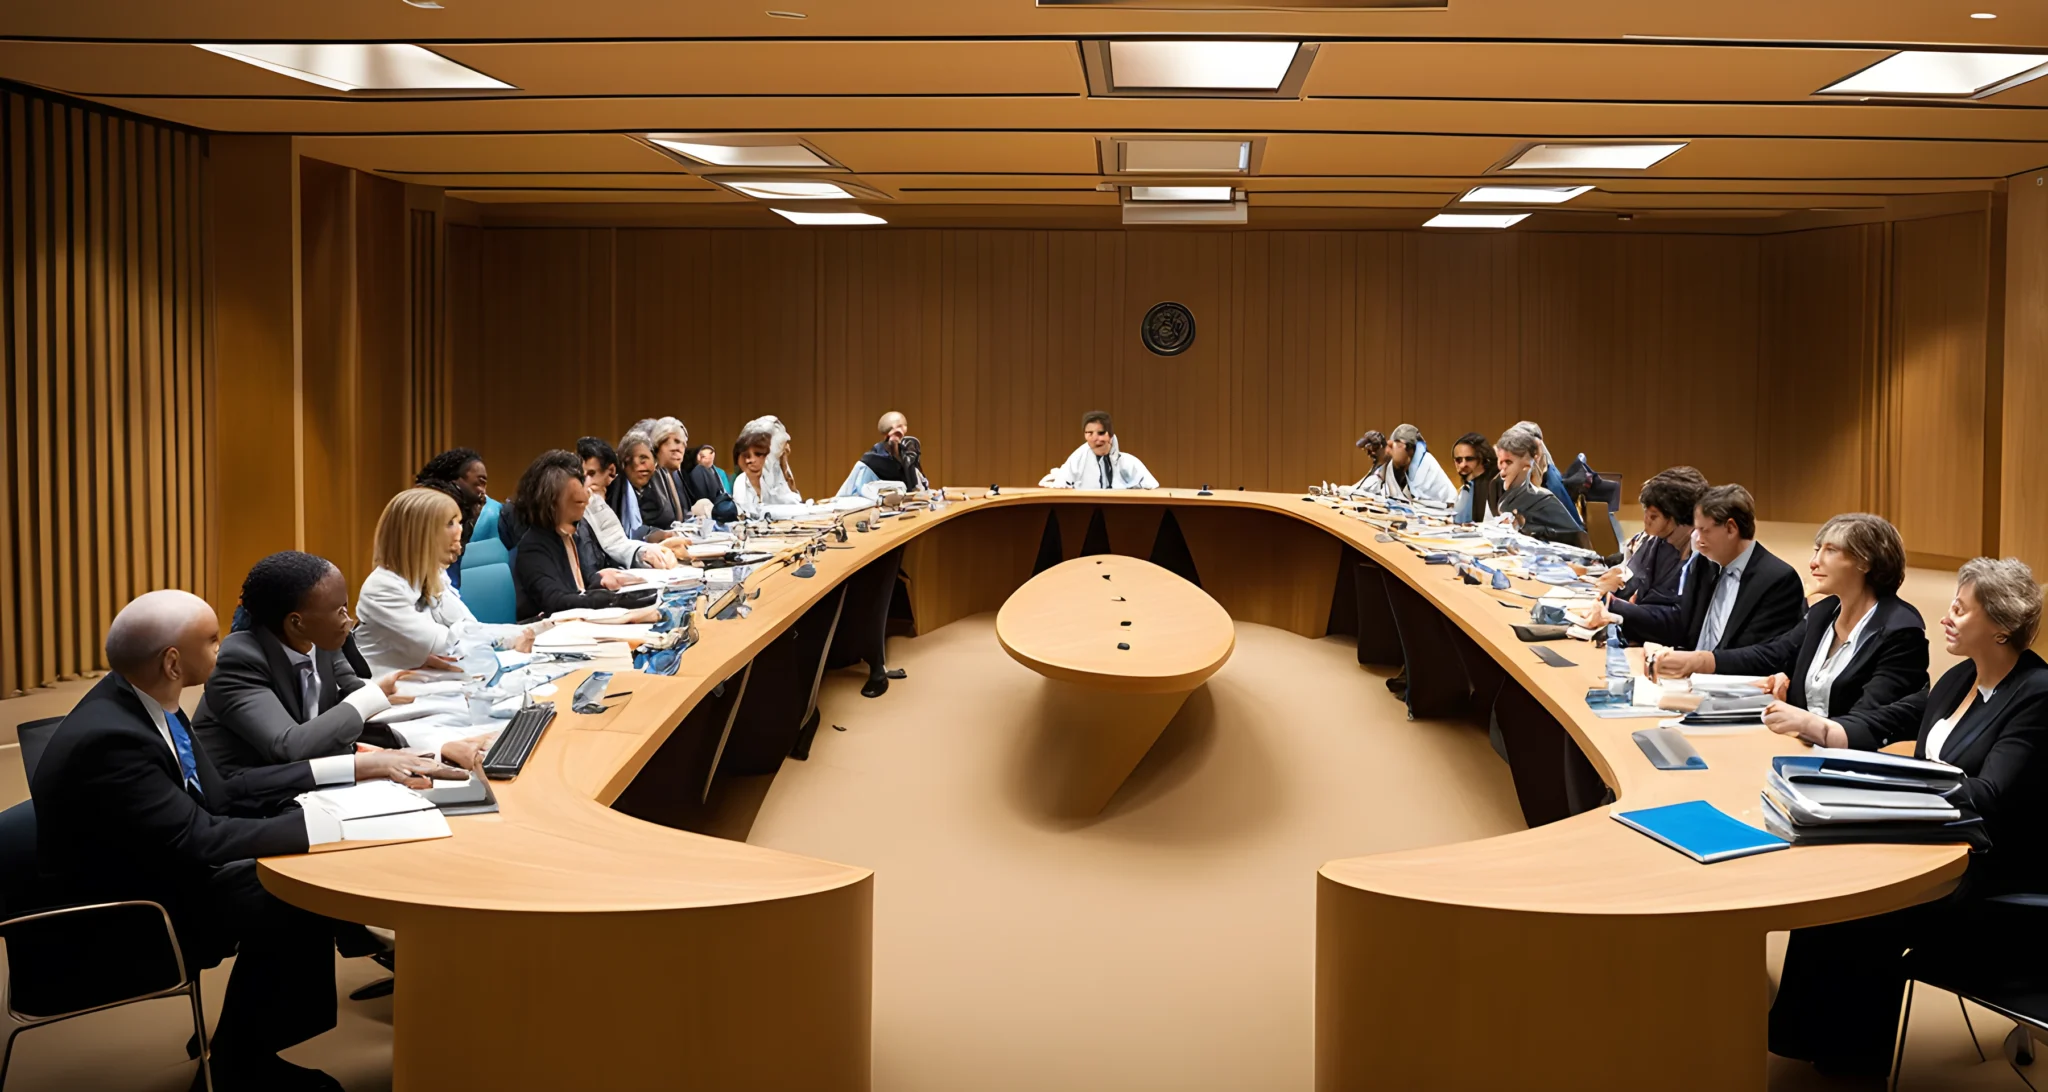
[1819, 367]
[108, 390]
[2023, 518]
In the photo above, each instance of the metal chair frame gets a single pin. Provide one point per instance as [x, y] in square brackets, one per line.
[187, 985]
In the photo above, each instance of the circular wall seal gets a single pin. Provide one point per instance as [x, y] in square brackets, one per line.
[1168, 330]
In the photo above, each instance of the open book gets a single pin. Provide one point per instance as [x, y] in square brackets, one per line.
[379, 811]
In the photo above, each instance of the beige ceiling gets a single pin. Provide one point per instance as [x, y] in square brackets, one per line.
[978, 112]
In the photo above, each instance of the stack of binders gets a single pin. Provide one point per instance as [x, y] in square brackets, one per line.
[1830, 796]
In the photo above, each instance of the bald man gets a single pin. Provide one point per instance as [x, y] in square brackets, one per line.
[128, 806]
[896, 458]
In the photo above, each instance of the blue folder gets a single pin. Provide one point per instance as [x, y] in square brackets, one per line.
[1701, 831]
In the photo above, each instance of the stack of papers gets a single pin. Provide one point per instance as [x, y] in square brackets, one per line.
[379, 811]
[682, 576]
[1831, 795]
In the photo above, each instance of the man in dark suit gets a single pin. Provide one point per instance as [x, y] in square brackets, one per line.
[1736, 592]
[129, 806]
[283, 690]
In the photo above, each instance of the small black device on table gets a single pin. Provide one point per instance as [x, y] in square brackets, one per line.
[514, 745]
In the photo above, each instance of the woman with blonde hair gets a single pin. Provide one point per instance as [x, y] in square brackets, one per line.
[410, 617]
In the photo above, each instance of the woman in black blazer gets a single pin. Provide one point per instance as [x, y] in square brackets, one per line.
[1838, 998]
[1862, 648]
[560, 564]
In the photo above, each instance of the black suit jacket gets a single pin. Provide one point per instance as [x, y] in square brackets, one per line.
[114, 819]
[542, 579]
[1768, 602]
[2002, 747]
[1654, 570]
[254, 713]
[1892, 664]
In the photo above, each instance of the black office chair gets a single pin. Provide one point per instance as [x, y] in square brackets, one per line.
[65, 962]
[34, 737]
[2010, 988]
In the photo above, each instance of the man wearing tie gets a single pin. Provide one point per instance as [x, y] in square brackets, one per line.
[1736, 593]
[129, 806]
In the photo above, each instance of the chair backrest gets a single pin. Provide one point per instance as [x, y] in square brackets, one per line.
[487, 522]
[483, 551]
[1601, 529]
[19, 876]
[34, 736]
[487, 591]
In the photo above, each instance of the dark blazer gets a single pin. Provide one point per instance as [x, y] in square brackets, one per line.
[1543, 515]
[1654, 573]
[542, 580]
[2002, 747]
[1891, 665]
[254, 714]
[114, 819]
[1769, 602]
[670, 494]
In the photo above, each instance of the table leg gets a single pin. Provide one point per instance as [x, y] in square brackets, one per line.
[1087, 742]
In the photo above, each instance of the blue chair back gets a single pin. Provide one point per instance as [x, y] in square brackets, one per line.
[482, 552]
[487, 522]
[487, 590]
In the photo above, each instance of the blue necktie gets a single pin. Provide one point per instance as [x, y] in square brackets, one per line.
[181, 741]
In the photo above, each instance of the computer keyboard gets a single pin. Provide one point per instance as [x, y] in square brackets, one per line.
[509, 752]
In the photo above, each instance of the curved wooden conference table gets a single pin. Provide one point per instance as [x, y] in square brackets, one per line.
[561, 943]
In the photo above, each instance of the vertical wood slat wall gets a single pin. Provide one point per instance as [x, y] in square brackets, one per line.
[432, 390]
[107, 337]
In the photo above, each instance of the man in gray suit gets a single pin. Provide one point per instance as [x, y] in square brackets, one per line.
[282, 690]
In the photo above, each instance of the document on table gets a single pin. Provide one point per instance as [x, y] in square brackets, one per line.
[379, 811]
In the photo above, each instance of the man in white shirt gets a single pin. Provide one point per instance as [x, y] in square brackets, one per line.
[600, 466]
[129, 806]
[1412, 473]
[1099, 463]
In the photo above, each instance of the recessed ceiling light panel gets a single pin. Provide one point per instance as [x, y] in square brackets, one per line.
[1475, 220]
[829, 219]
[743, 151]
[1200, 68]
[1591, 157]
[1185, 212]
[1939, 74]
[1183, 193]
[791, 191]
[1183, 156]
[363, 66]
[1521, 195]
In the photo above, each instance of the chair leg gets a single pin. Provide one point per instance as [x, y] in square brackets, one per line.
[199, 1031]
[1905, 1022]
[7, 1053]
[2019, 1045]
[1965, 1006]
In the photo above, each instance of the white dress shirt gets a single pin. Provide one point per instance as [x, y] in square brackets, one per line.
[1937, 736]
[1821, 676]
[1723, 602]
[337, 770]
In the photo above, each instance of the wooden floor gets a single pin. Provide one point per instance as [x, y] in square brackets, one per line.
[1166, 944]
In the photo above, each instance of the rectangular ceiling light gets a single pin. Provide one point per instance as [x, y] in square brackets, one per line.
[1942, 74]
[1185, 212]
[769, 190]
[1207, 66]
[828, 219]
[1200, 68]
[1592, 157]
[1476, 220]
[1136, 156]
[736, 154]
[1521, 195]
[363, 66]
[1183, 193]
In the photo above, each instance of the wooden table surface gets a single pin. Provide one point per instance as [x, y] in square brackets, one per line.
[556, 851]
[1067, 623]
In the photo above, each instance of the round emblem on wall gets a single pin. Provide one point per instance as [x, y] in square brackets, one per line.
[1169, 329]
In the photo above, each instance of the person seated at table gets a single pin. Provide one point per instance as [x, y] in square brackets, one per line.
[896, 459]
[707, 455]
[1411, 472]
[1374, 444]
[1099, 463]
[600, 469]
[282, 691]
[761, 453]
[1859, 648]
[1549, 475]
[129, 805]
[409, 616]
[636, 476]
[1838, 997]
[1536, 511]
[1654, 571]
[1737, 593]
[560, 565]
[1479, 477]
[681, 489]
[460, 473]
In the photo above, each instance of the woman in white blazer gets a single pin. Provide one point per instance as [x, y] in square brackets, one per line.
[409, 617]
